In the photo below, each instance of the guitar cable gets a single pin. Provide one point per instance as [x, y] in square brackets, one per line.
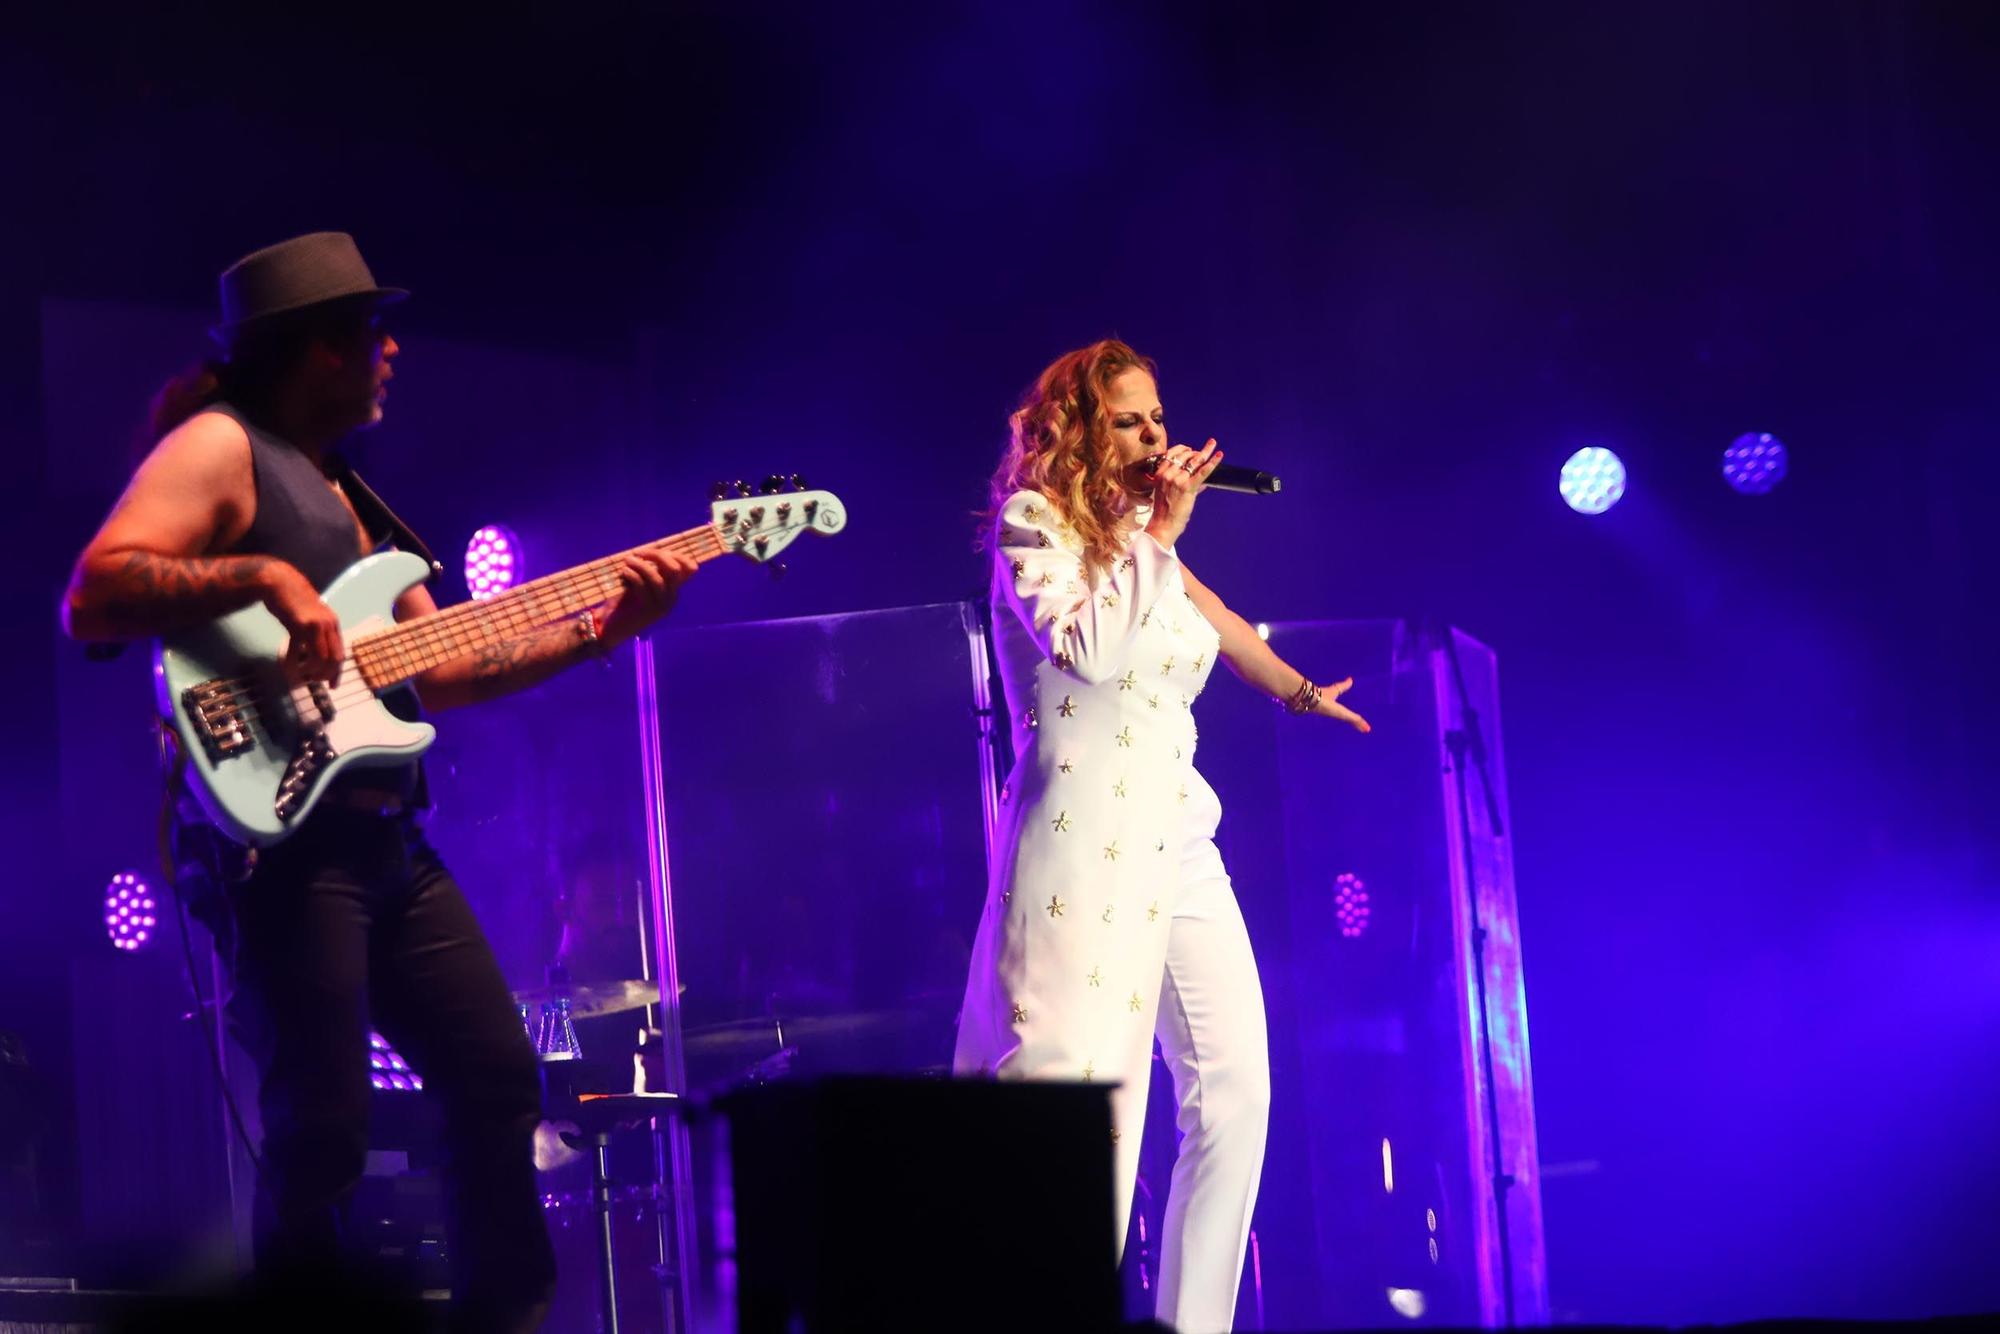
[173, 764]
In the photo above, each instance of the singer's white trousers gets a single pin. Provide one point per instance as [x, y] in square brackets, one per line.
[1212, 1033]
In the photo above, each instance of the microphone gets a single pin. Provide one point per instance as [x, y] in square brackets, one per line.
[1228, 477]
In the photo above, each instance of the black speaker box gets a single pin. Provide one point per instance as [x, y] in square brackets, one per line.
[939, 1205]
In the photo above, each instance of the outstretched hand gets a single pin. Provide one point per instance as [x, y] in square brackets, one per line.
[1330, 706]
[652, 579]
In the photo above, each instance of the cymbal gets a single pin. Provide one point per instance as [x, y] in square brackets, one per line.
[767, 1033]
[588, 1000]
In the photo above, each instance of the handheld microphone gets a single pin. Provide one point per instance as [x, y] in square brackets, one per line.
[1228, 477]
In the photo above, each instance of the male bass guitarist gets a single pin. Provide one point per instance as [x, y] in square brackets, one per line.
[351, 919]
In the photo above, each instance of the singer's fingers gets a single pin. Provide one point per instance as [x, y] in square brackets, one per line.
[1209, 466]
[1337, 689]
[1350, 717]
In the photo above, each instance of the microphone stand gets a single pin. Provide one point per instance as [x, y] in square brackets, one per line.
[1467, 743]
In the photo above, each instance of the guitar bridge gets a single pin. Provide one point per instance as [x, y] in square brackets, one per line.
[217, 710]
[314, 751]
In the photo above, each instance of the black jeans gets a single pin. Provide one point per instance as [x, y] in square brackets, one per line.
[354, 921]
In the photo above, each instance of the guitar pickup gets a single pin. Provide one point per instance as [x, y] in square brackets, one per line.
[216, 709]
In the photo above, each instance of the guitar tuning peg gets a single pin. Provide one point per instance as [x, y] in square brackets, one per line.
[798, 482]
[777, 569]
[773, 485]
[718, 490]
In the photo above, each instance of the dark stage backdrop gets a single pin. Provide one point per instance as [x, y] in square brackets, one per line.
[1408, 259]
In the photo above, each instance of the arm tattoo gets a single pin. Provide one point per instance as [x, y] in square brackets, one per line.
[515, 664]
[148, 592]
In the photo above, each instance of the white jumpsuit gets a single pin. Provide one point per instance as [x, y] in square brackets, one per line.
[1110, 918]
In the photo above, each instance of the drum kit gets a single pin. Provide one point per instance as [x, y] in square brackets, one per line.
[621, 1222]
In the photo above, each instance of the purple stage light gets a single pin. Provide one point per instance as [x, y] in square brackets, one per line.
[1755, 462]
[1350, 904]
[1592, 480]
[388, 1069]
[493, 561]
[129, 911]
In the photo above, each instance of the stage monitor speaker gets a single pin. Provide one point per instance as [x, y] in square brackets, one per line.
[935, 1205]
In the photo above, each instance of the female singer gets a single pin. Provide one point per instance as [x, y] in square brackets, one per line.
[1110, 918]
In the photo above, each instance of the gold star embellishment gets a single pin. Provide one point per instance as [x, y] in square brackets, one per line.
[1127, 681]
[1069, 586]
[1182, 794]
[1199, 661]
[1066, 766]
[1111, 851]
[1061, 823]
[1177, 627]
[1055, 906]
[1109, 599]
[1068, 707]
[1020, 568]
[1020, 1013]
[1089, 1071]
[1125, 737]
[1096, 976]
[1006, 897]
[1133, 1003]
[1032, 512]
[1042, 540]
[1117, 789]
[1028, 718]
[1146, 618]
[1062, 660]
[1161, 846]
[1177, 752]
[1045, 580]
[1153, 913]
[1107, 913]
[1153, 703]
[1114, 1134]
[1167, 667]
[1127, 563]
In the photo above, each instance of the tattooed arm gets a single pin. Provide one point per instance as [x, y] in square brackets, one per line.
[651, 581]
[149, 569]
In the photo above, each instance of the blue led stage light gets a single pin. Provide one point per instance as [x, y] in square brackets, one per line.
[1755, 462]
[1592, 480]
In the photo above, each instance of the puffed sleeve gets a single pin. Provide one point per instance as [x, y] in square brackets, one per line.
[1084, 628]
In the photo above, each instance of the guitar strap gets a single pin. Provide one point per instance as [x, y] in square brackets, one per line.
[382, 523]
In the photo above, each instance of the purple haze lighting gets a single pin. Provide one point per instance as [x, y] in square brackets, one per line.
[1592, 480]
[493, 561]
[129, 911]
[1755, 462]
[1350, 904]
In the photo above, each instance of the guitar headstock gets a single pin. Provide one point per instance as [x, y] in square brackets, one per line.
[759, 524]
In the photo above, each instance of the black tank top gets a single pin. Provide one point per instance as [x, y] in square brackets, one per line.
[299, 518]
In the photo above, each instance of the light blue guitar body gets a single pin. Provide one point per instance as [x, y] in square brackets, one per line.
[262, 750]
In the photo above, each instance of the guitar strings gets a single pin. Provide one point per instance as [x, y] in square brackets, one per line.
[517, 616]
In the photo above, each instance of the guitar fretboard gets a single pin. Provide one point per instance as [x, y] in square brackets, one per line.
[388, 657]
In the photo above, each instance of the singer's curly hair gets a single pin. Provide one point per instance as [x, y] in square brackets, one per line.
[1060, 446]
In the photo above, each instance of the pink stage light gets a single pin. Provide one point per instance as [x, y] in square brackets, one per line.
[129, 911]
[493, 561]
[1350, 904]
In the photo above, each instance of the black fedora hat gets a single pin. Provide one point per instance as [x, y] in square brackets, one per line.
[294, 275]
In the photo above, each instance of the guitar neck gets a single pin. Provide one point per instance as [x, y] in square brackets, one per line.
[389, 657]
